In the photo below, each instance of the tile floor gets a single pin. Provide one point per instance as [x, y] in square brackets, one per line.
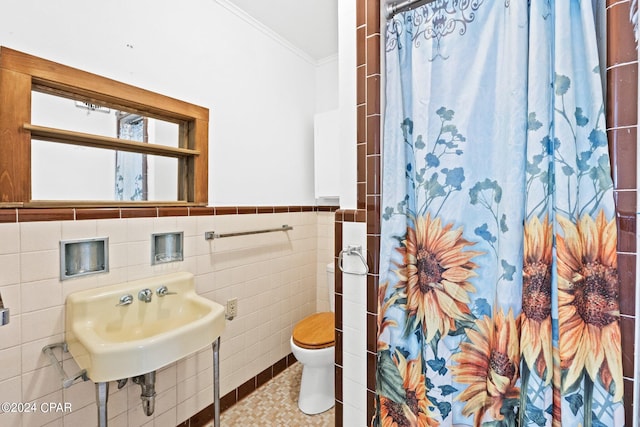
[275, 405]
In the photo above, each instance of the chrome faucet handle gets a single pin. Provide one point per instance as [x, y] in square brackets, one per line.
[145, 295]
[163, 290]
[125, 300]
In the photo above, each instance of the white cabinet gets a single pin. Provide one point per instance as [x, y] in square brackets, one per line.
[327, 157]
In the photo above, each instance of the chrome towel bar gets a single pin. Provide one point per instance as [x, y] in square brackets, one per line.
[210, 235]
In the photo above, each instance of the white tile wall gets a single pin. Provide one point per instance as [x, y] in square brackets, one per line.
[325, 240]
[354, 321]
[278, 278]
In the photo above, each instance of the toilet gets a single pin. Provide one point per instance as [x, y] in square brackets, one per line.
[313, 345]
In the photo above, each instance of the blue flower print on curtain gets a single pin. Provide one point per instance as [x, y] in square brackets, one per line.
[498, 295]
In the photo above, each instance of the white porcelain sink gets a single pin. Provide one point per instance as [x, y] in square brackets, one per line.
[113, 342]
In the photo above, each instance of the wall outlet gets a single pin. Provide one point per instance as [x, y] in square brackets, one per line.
[232, 308]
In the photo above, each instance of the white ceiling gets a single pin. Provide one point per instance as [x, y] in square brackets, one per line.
[310, 25]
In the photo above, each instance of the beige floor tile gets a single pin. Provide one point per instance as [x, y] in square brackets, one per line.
[275, 405]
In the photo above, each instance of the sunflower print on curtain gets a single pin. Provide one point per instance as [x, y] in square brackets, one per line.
[498, 295]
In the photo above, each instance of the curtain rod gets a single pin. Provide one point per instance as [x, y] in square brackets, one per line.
[397, 7]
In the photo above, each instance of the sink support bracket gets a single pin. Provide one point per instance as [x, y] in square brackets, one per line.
[67, 381]
[216, 382]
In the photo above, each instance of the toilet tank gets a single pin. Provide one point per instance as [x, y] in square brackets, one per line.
[331, 285]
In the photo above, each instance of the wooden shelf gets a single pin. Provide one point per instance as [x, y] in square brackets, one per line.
[90, 140]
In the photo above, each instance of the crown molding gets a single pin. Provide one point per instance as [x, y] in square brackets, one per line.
[327, 59]
[267, 31]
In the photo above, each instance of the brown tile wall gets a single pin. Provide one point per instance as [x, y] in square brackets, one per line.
[368, 98]
[371, 136]
[622, 120]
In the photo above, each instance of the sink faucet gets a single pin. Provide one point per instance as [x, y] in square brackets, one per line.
[163, 290]
[145, 295]
[125, 300]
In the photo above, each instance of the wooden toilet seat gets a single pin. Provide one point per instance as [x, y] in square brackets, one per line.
[315, 331]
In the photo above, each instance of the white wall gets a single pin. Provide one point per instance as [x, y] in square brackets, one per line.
[260, 93]
[327, 84]
[55, 166]
[92, 170]
[347, 102]
[354, 325]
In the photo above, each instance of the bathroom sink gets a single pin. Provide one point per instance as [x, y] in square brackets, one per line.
[113, 340]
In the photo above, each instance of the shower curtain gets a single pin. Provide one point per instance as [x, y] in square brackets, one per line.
[498, 287]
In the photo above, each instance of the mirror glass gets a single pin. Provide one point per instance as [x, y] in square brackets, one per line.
[72, 172]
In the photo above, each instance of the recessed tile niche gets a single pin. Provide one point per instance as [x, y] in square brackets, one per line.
[83, 257]
[166, 247]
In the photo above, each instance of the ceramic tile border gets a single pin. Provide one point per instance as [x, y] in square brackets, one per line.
[622, 122]
[205, 416]
[369, 194]
[9, 215]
